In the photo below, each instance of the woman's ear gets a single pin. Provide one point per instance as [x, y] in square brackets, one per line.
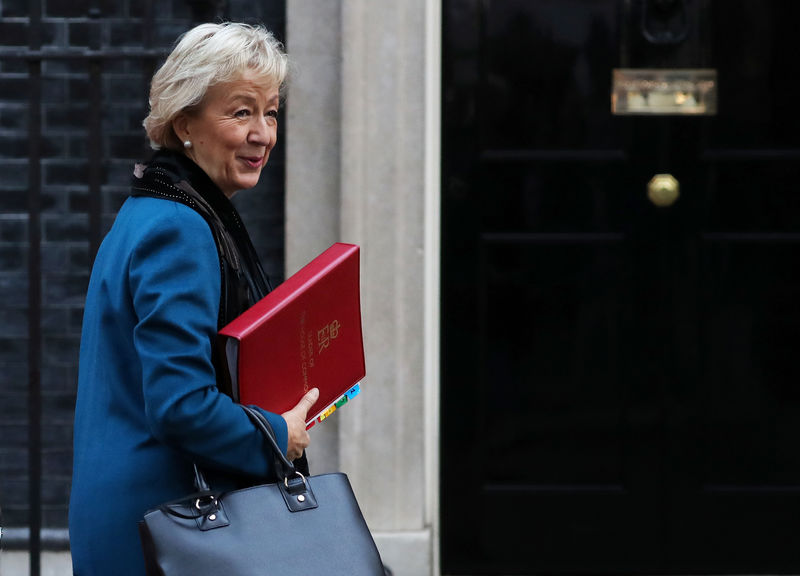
[180, 125]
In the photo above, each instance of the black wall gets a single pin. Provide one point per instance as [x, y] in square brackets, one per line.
[66, 205]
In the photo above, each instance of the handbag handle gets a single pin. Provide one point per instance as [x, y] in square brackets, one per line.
[281, 462]
[282, 466]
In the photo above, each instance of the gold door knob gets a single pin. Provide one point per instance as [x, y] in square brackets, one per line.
[663, 190]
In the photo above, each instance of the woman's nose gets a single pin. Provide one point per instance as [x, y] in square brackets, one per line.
[260, 132]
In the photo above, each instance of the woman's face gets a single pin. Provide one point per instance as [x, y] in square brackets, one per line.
[232, 132]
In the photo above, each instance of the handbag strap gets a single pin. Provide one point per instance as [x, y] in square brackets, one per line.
[281, 462]
[282, 466]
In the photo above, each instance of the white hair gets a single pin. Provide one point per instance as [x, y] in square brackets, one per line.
[206, 55]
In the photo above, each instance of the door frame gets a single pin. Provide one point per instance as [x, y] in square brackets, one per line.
[433, 271]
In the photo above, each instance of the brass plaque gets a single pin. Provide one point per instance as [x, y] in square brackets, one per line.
[667, 91]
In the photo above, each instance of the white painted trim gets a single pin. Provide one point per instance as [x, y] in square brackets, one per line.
[17, 563]
[432, 291]
[402, 551]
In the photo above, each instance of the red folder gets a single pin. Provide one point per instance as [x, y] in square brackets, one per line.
[306, 333]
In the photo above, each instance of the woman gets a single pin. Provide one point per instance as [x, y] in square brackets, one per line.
[175, 267]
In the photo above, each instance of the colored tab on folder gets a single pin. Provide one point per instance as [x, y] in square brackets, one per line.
[346, 397]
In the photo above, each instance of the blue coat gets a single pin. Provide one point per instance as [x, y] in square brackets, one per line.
[147, 404]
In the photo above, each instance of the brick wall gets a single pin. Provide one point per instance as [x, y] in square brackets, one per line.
[64, 229]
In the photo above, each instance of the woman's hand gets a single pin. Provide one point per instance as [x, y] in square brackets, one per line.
[296, 424]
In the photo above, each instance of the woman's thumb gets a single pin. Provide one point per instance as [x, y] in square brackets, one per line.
[307, 401]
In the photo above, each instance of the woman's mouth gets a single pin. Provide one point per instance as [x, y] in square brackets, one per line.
[253, 161]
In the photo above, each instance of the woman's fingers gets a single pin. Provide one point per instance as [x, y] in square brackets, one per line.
[296, 424]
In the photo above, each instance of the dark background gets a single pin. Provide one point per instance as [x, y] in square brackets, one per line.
[619, 380]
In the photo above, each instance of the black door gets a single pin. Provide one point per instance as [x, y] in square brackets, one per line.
[621, 390]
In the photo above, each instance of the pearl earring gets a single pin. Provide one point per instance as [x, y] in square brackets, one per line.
[187, 144]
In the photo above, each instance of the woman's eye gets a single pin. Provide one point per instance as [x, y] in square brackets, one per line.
[242, 113]
[272, 114]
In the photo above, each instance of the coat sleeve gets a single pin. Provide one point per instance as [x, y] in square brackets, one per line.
[174, 278]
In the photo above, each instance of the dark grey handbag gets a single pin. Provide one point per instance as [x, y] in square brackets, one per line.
[297, 525]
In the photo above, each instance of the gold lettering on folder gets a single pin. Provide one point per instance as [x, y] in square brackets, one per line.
[326, 334]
